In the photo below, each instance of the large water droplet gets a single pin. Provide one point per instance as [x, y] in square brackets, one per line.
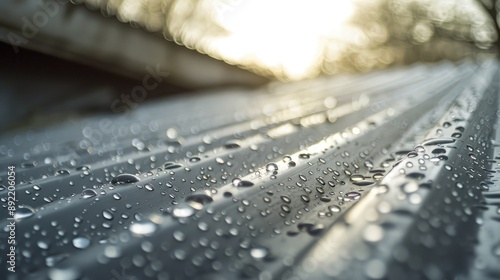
[198, 200]
[23, 212]
[81, 242]
[143, 228]
[259, 253]
[183, 210]
[88, 193]
[124, 179]
[437, 141]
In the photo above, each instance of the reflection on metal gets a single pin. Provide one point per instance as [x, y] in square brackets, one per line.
[251, 184]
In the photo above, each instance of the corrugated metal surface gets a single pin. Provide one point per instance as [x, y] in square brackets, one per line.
[390, 174]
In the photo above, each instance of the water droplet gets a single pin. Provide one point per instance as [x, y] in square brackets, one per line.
[183, 210]
[412, 154]
[81, 242]
[285, 208]
[143, 228]
[149, 187]
[304, 156]
[416, 175]
[194, 159]
[55, 259]
[437, 141]
[42, 245]
[23, 212]
[409, 187]
[316, 229]
[305, 198]
[232, 144]
[363, 183]
[334, 208]
[198, 200]
[180, 254]
[242, 183]
[439, 151]
[83, 168]
[419, 149]
[107, 215]
[304, 226]
[88, 193]
[28, 164]
[66, 273]
[124, 179]
[286, 199]
[62, 172]
[271, 167]
[259, 253]
[353, 195]
[179, 235]
[203, 226]
[171, 165]
[357, 177]
[325, 198]
[236, 181]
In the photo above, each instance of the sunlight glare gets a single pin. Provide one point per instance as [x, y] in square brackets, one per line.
[279, 34]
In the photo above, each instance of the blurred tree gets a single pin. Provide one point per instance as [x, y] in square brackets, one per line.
[493, 9]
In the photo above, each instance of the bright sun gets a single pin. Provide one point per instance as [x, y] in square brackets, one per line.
[284, 35]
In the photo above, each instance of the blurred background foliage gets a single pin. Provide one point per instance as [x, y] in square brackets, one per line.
[297, 39]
